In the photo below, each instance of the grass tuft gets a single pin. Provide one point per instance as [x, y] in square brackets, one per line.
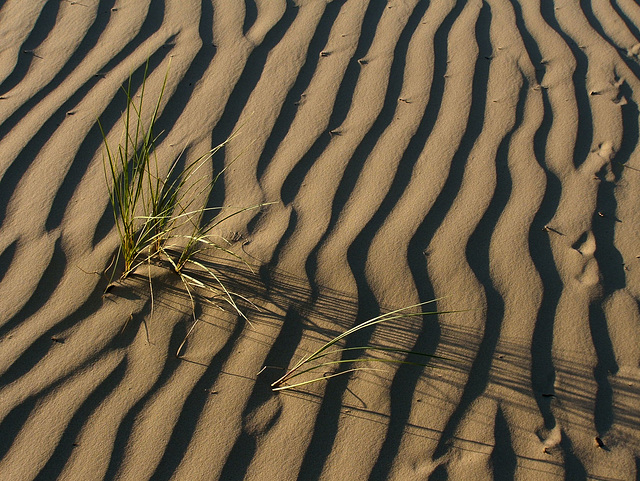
[155, 215]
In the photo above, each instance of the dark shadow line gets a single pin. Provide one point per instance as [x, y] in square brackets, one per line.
[345, 93]
[406, 377]
[605, 367]
[478, 258]
[112, 114]
[611, 266]
[320, 446]
[239, 97]
[595, 24]
[6, 258]
[303, 79]
[530, 45]
[91, 144]
[20, 165]
[11, 425]
[67, 442]
[360, 155]
[341, 106]
[439, 473]
[325, 431]
[128, 420]
[250, 15]
[631, 26]
[201, 62]
[41, 29]
[194, 404]
[433, 220]
[281, 354]
[265, 271]
[574, 469]
[48, 283]
[630, 130]
[168, 118]
[326, 426]
[239, 459]
[542, 365]
[584, 134]
[39, 348]
[105, 223]
[88, 42]
[25, 158]
[503, 458]
[609, 261]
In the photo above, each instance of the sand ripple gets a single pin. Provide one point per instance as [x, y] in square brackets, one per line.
[484, 151]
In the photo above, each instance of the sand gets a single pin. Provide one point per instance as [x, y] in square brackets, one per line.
[482, 153]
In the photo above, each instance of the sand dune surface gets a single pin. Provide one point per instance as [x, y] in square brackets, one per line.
[484, 153]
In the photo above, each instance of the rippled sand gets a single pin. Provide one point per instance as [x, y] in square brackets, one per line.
[485, 153]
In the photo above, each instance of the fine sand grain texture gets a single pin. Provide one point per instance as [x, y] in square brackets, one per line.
[482, 152]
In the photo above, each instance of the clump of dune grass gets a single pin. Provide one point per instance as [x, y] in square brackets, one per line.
[323, 359]
[135, 194]
[155, 213]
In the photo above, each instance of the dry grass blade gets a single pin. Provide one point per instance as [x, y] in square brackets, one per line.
[311, 362]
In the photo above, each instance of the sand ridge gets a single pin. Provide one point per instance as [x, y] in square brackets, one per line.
[484, 153]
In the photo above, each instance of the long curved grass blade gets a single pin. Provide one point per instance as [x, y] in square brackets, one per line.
[324, 350]
[356, 360]
[284, 387]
